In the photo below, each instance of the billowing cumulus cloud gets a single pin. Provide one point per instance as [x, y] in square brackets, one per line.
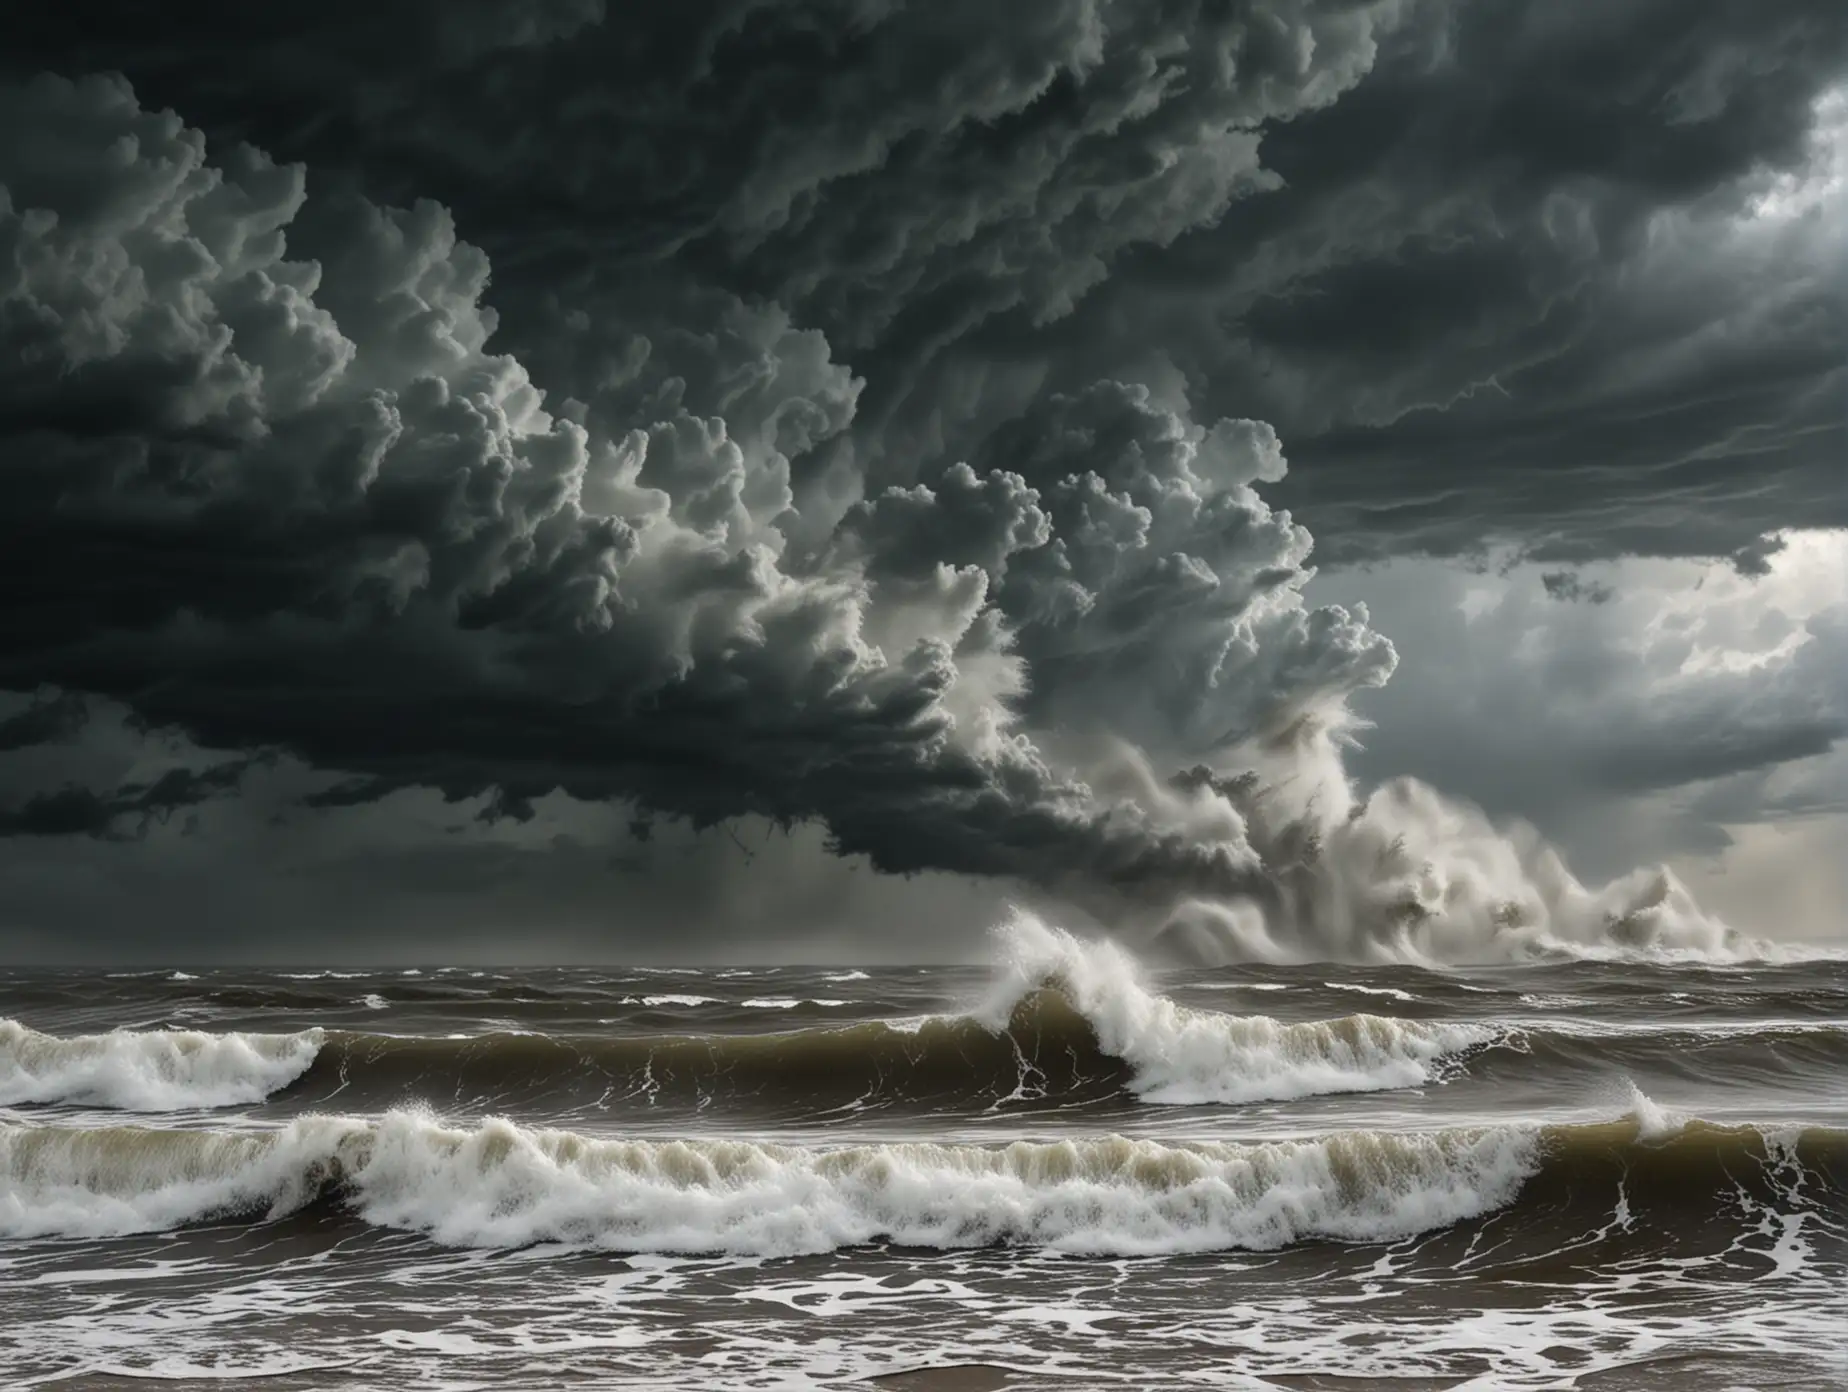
[867, 416]
[1504, 273]
[298, 504]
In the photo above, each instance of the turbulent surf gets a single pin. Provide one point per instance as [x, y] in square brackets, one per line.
[153, 1071]
[501, 1185]
[1634, 1154]
[1063, 1020]
[1043, 1049]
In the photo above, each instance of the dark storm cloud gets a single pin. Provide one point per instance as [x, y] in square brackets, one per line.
[293, 504]
[1481, 265]
[1754, 558]
[1510, 290]
[47, 720]
[1570, 587]
[127, 810]
[1495, 329]
[851, 157]
[866, 418]
[413, 879]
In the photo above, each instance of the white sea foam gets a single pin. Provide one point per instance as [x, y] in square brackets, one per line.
[1392, 991]
[1540, 1000]
[1410, 875]
[1239, 985]
[1654, 1122]
[502, 1185]
[149, 1070]
[790, 1002]
[1181, 1055]
[654, 1002]
[323, 975]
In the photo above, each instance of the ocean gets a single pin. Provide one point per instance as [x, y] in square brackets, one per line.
[1061, 1170]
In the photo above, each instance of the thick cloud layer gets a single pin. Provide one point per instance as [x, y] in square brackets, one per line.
[297, 504]
[1557, 276]
[859, 425]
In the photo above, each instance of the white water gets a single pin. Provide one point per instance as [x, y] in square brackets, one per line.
[1179, 1055]
[150, 1070]
[1654, 1122]
[791, 1002]
[502, 1185]
[1409, 875]
[655, 1002]
[1187, 1056]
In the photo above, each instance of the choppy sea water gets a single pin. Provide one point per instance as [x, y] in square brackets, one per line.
[1061, 1171]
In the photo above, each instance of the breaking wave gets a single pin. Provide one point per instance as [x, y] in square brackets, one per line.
[501, 1185]
[1181, 1055]
[1065, 1021]
[1043, 1050]
[1046, 1056]
[150, 1070]
[1411, 876]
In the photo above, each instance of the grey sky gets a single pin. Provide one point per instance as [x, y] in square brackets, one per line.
[778, 480]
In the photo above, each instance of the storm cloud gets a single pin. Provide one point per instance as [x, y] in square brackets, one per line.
[1557, 276]
[354, 534]
[872, 416]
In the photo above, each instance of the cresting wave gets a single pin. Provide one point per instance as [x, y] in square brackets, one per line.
[1182, 1055]
[150, 1070]
[1042, 1051]
[501, 1185]
[1065, 1020]
[1047, 1056]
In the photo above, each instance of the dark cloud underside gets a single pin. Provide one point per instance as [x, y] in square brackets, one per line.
[1480, 265]
[874, 414]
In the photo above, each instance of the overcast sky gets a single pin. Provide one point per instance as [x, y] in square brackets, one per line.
[781, 479]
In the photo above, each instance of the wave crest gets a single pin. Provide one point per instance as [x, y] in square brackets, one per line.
[1065, 1022]
[502, 1185]
[1183, 1055]
[150, 1070]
